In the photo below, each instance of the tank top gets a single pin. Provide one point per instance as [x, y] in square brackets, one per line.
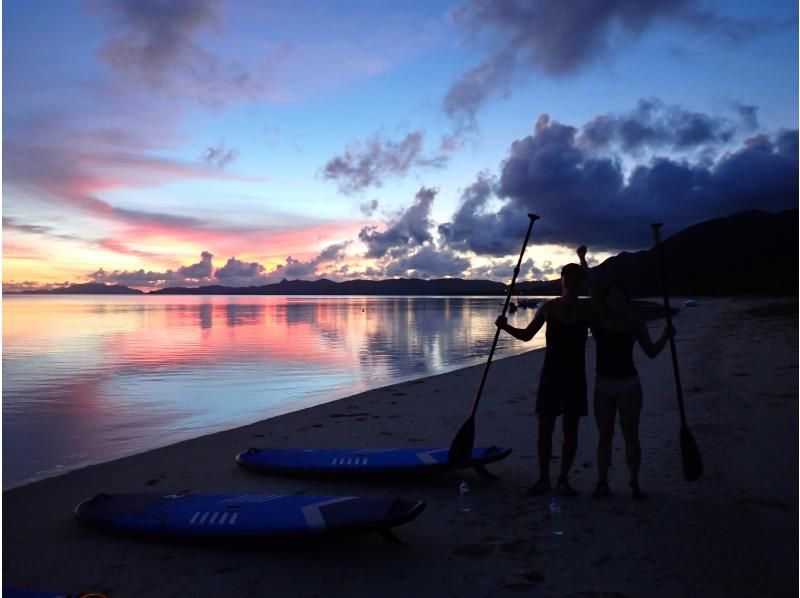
[614, 353]
[562, 381]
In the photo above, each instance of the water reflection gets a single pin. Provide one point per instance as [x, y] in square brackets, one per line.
[88, 379]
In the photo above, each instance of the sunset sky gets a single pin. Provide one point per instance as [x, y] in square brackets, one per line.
[191, 142]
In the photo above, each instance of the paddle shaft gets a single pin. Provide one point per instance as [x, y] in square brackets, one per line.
[533, 218]
[673, 351]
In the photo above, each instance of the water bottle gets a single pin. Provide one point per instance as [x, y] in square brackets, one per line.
[463, 497]
[555, 517]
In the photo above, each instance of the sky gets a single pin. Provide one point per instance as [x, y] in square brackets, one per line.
[158, 143]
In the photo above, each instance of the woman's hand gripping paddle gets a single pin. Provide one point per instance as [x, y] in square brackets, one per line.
[461, 448]
[690, 453]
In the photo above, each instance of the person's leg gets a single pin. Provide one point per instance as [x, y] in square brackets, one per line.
[545, 452]
[569, 427]
[568, 449]
[630, 409]
[605, 412]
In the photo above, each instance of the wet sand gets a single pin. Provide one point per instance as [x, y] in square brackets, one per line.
[732, 533]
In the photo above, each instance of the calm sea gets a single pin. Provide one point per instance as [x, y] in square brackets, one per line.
[92, 378]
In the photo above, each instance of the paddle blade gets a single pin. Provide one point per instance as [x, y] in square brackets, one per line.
[461, 449]
[690, 454]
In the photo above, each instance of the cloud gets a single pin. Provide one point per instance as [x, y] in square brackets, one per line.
[155, 43]
[234, 273]
[71, 171]
[729, 28]
[193, 274]
[238, 273]
[119, 247]
[11, 224]
[369, 164]
[503, 269]
[428, 262]
[473, 88]
[296, 269]
[559, 39]
[202, 270]
[410, 228]
[368, 208]
[587, 198]
[654, 125]
[217, 156]
[461, 234]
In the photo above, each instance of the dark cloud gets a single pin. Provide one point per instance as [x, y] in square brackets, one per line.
[428, 262]
[234, 273]
[238, 273]
[407, 248]
[504, 270]
[473, 88]
[748, 115]
[332, 253]
[410, 228]
[368, 165]
[155, 42]
[194, 274]
[730, 28]
[296, 269]
[586, 198]
[135, 278]
[368, 208]
[201, 270]
[217, 156]
[654, 125]
[561, 38]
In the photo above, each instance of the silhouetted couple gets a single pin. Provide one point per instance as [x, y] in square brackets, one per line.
[562, 383]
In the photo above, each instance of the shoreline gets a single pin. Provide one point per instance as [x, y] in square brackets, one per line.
[731, 533]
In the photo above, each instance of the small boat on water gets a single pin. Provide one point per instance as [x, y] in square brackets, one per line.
[690, 303]
[525, 302]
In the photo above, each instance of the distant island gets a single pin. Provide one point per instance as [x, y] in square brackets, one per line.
[86, 288]
[751, 252]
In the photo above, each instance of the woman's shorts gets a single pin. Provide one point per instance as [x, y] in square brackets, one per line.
[624, 394]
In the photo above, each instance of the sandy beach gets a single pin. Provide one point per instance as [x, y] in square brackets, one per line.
[732, 533]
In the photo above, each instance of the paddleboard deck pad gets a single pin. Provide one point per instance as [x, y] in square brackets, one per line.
[243, 516]
[363, 463]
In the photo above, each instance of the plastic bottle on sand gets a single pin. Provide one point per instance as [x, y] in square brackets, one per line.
[463, 497]
[555, 517]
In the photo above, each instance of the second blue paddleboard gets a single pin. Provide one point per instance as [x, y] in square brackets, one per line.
[243, 516]
[362, 463]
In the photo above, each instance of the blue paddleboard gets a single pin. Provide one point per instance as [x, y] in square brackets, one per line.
[362, 462]
[10, 592]
[243, 516]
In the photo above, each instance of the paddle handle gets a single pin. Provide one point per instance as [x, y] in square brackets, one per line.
[662, 268]
[533, 218]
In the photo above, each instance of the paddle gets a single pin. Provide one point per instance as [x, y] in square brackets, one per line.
[690, 454]
[461, 448]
